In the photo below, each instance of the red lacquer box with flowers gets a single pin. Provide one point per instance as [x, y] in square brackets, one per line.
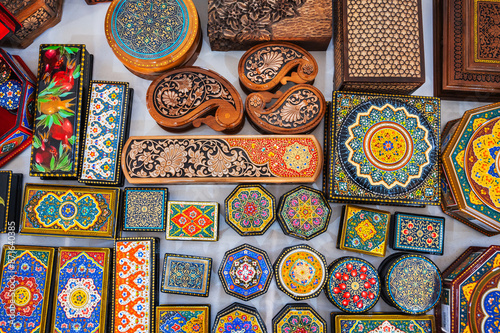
[64, 74]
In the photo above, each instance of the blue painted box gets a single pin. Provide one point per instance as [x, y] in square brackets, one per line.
[145, 209]
[186, 275]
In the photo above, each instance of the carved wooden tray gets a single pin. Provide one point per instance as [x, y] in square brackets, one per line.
[191, 96]
[267, 65]
[229, 159]
[298, 110]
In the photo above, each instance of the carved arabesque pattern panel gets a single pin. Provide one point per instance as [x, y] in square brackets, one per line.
[488, 30]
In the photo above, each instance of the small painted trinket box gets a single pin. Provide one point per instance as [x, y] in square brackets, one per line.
[17, 106]
[64, 74]
[81, 290]
[195, 221]
[400, 323]
[410, 283]
[77, 211]
[145, 209]
[298, 317]
[192, 96]
[135, 291]
[303, 213]
[185, 318]
[186, 275]
[106, 129]
[26, 288]
[250, 210]
[11, 188]
[417, 233]
[239, 318]
[383, 149]
[300, 272]
[246, 272]
[266, 159]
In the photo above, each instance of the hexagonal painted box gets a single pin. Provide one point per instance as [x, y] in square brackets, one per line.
[246, 272]
[250, 210]
[239, 318]
[303, 213]
[298, 317]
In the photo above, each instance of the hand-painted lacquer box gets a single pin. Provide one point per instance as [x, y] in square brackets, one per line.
[298, 317]
[25, 288]
[183, 318]
[383, 149]
[64, 73]
[382, 323]
[239, 317]
[77, 211]
[363, 230]
[106, 129]
[135, 290]
[224, 159]
[11, 187]
[17, 106]
[145, 209]
[417, 233]
[186, 275]
[196, 221]
[81, 290]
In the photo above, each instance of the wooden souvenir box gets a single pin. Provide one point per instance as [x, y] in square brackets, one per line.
[298, 317]
[8, 23]
[75, 211]
[193, 221]
[185, 318]
[35, 16]
[470, 292]
[144, 209]
[186, 275]
[387, 322]
[26, 283]
[471, 179]
[64, 74]
[383, 149]
[11, 188]
[466, 62]
[378, 46]
[239, 315]
[17, 106]
[241, 25]
[135, 290]
[106, 129]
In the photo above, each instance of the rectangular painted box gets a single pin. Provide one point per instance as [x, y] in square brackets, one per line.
[195, 221]
[382, 323]
[186, 318]
[11, 188]
[186, 275]
[144, 209]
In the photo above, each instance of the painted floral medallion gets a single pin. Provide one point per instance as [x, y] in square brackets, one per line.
[188, 275]
[183, 319]
[298, 318]
[192, 220]
[239, 318]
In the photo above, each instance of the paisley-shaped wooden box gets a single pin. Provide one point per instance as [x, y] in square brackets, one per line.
[26, 286]
[64, 74]
[77, 211]
[17, 105]
[383, 149]
[224, 159]
[106, 129]
[186, 275]
[387, 322]
[144, 209]
[470, 292]
[193, 221]
[298, 317]
[238, 315]
[378, 46]
[185, 318]
[11, 189]
[471, 179]
[81, 290]
[152, 36]
[192, 96]
[135, 289]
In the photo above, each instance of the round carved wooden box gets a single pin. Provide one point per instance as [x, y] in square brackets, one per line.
[150, 37]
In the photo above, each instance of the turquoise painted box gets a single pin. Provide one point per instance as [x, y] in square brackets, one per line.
[183, 318]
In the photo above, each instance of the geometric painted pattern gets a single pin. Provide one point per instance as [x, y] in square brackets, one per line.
[145, 209]
[238, 318]
[192, 220]
[418, 233]
[187, 275]
[183, 319]
[383, 323]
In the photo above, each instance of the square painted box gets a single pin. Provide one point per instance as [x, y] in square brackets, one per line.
[64, 74]
[363, 230]
[383, 149]
[382, 323]
[135, 289]
[26, 282]
[188, 220]
[78, 211]
[106, 129]
[11, 188]
[185, 318]
[417, 233]
[81, 290]
[144, 209]
[186, 275]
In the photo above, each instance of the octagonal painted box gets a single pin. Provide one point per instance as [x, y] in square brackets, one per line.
[298, 317]
[239, 318]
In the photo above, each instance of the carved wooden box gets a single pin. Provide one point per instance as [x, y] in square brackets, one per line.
[243, 24]
[11, 188]
[378, 46]
[466, 48]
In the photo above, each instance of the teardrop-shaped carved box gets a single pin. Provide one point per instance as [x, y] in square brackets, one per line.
[298, 110]
[191, 96]
[265, 66]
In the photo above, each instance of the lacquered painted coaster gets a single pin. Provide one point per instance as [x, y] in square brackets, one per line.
[186, 275]
[183, 319]
[246, 272]
[353, 285]
[298, 318]
[194, 221]
[145, 209]
[239, 318]
[250, 210]
[300, 272]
